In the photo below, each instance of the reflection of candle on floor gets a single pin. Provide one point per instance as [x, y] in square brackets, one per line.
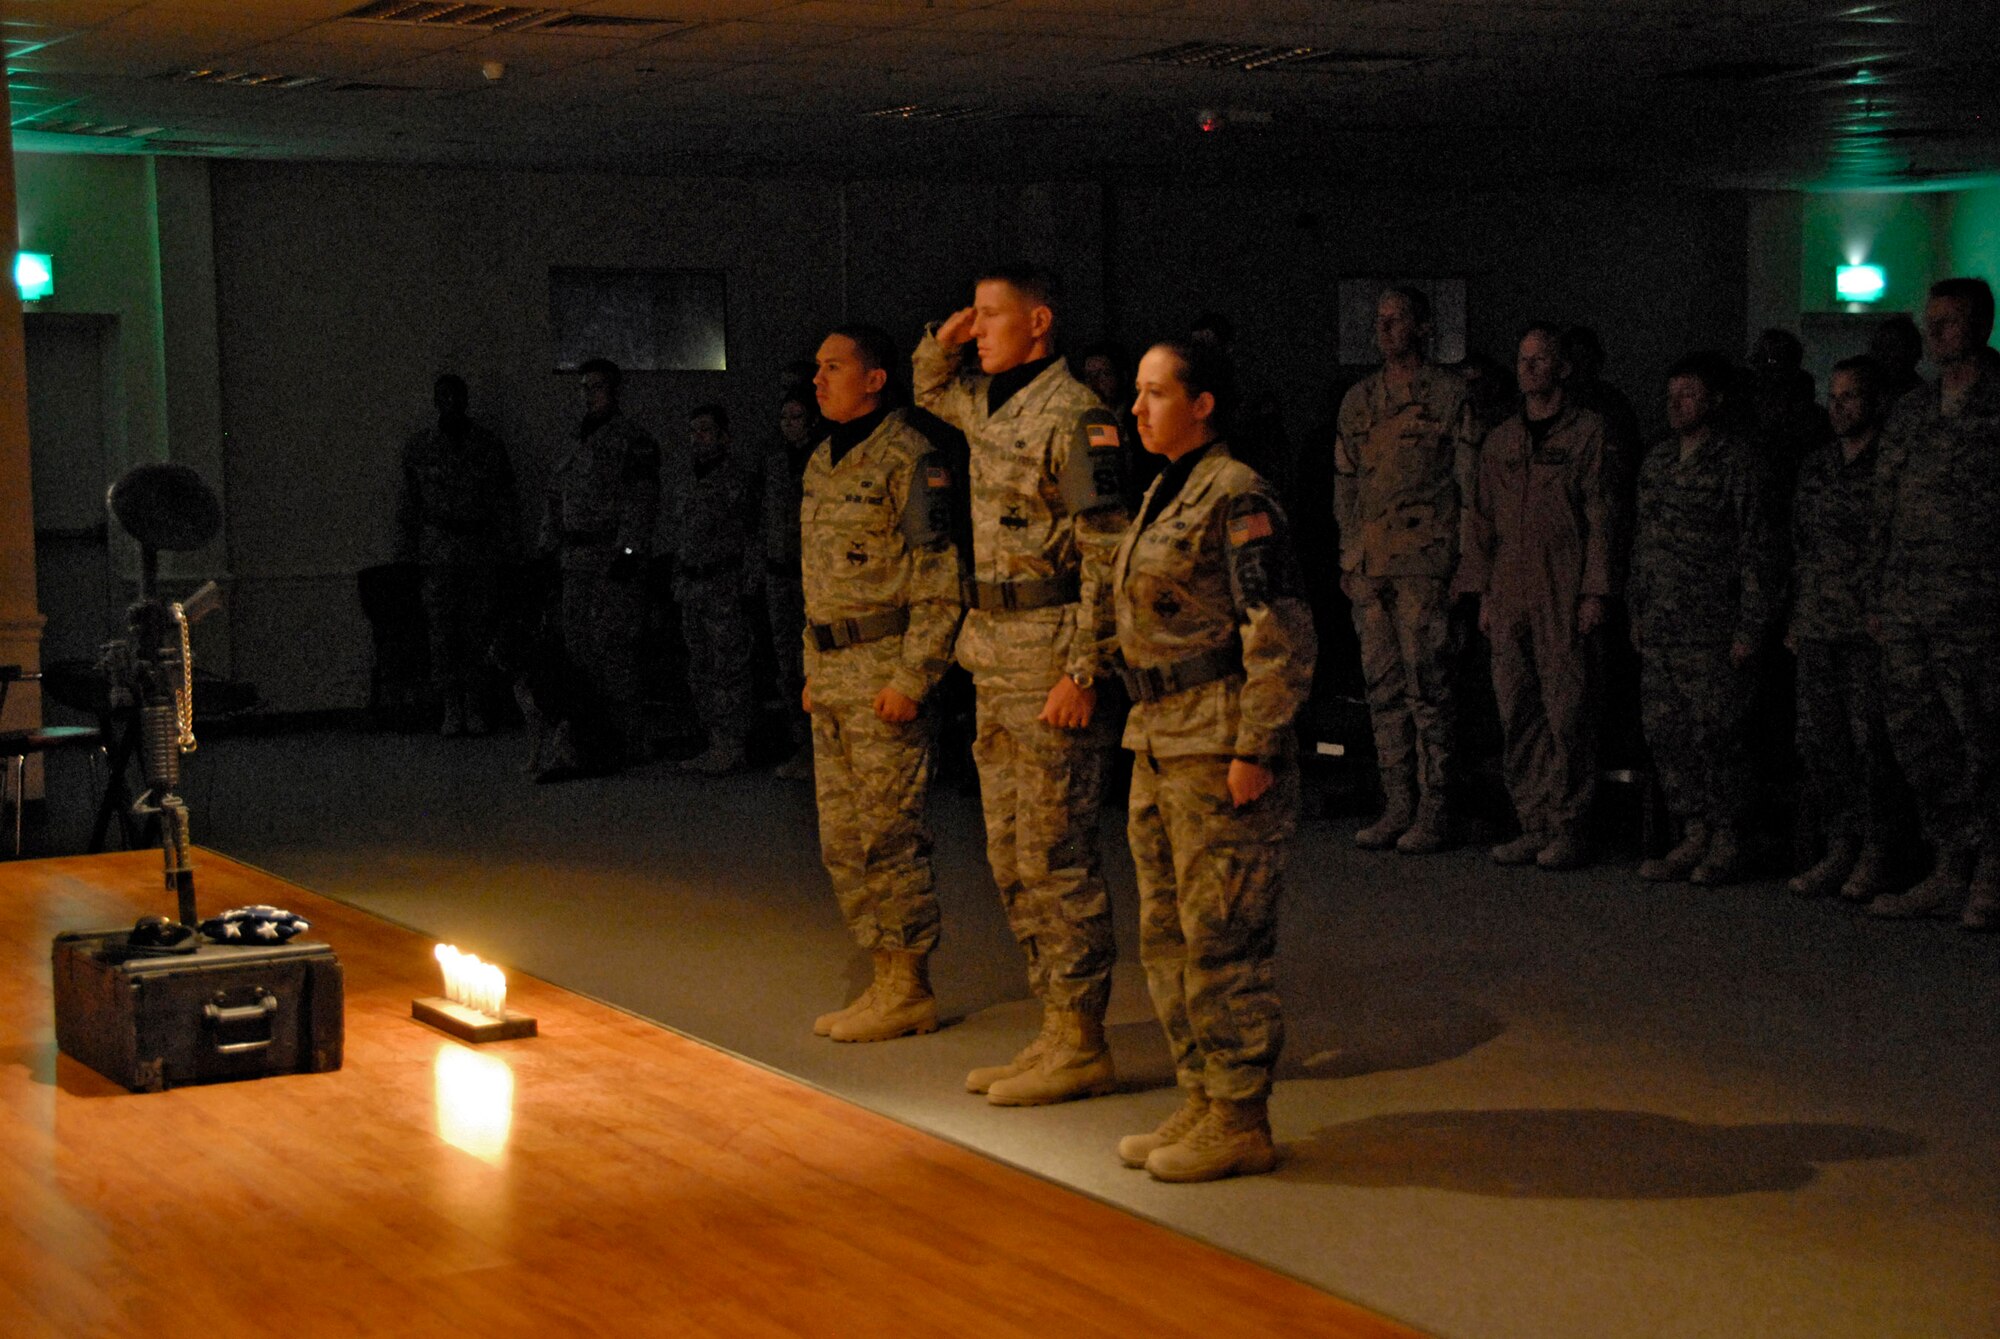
[472, 983]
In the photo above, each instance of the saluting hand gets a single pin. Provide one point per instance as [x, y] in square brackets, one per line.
[1248, 781]
[956, 329]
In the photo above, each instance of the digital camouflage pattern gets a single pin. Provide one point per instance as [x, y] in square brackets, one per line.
[1938, 492]
[1705, 572]
[1210, 880]
[1046, 499]
[1539, 536]
[603, 502]
[784, 600]
[458, 518]
[717, 514]
[1834, 534]
[874, 538]
[1214, 570]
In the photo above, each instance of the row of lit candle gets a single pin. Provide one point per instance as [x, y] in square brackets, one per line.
[472, 983]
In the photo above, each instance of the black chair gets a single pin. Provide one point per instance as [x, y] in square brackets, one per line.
[17, 745]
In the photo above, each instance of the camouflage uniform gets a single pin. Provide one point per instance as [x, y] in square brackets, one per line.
[710, 546]
[784, 600]
[876, 543]
[459, 521]
[603, 502]
[1538, 538]
[1213, 576]
[1705, 573]
[1938, 493]
[1047, 510]
[1404, 459]
[1842, 736]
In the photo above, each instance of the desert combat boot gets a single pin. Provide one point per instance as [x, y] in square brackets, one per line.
[1843, 853]
[1075, 1063]
[1942, 893]
[1134, 1149]
[1680, 862]
[1233, 1139]
[899, 1005]
[979, 1080]
[1398, 811]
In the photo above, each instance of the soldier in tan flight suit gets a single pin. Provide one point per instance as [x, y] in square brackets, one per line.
[1403, 460]
[1218, 652]
[1047, 511]
[882, 606]
[1538, 547]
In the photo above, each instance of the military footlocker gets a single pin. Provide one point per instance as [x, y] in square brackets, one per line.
[221, 1012]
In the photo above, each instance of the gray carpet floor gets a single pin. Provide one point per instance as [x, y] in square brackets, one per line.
[1516, 1105]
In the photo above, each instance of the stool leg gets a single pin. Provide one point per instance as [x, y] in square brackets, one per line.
[17, 776]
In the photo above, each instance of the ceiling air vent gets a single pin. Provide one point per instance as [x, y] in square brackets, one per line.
[243, 78]
[499, 18]
[1251, 56]
[932, 113]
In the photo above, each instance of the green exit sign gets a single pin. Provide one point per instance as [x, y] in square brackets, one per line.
[34, 275]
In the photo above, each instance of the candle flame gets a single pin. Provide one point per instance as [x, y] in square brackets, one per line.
[472, 983]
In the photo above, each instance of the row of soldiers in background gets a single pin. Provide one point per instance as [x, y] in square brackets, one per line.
[1551, 564]
[1854, 540]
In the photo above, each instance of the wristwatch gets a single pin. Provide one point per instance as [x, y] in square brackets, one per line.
[1086, 680]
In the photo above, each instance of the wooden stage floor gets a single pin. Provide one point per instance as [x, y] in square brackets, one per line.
[608, 1177]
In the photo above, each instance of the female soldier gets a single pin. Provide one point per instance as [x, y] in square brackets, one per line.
[1218, 651]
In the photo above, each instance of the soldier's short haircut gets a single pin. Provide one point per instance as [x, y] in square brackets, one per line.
[1866, 371]
[1549, 331]
[604, 367]
[873, 343]
[1418, 300]
[1976, 294]
[713, 412]
[1711, 369]
[1897, 334]
[1205, 368]
[1032, 282]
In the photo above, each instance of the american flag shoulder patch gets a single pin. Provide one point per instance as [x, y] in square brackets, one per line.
[1249, 528]
[1103, 436]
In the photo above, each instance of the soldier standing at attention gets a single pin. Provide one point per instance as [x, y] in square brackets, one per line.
[458, 520]
[1937, 496]
[1404, 459]
[716, 521]
[1218, 651]
[1047, 513]
[1842, 737]
[1704, 597]
[1538, 545]
[882, 607]
[603, 502]
[784, 602]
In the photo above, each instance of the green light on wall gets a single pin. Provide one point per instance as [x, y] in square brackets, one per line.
[1859, 283]
[34, 275]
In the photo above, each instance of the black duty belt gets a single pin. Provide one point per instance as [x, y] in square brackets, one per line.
[1154, 682]
[697, 571]
[1034, 593]
[854, 631]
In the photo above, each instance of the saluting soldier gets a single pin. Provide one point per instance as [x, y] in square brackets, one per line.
[603, 503]
[882, 607]
[1218, 651]
[1047, 512]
